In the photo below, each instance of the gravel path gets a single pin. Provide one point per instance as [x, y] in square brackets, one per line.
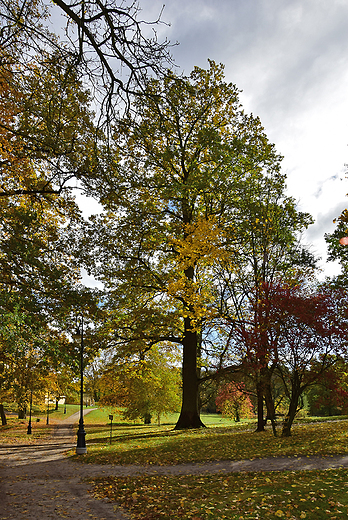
[38, 482]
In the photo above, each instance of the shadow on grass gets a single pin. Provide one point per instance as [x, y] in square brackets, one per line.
[124, 436]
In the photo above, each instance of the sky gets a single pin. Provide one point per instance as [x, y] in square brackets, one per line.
[290, 60]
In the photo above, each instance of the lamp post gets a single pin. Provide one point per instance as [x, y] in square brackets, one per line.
[81, 434]
[31, 403]
[48, 408]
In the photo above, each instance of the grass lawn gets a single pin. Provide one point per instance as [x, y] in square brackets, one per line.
[139, 444]
[313, 495]
[15, 431]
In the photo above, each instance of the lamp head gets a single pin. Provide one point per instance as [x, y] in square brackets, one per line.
[77, 334]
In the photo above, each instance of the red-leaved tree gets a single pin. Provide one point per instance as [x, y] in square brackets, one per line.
[295, 332]
[234, 402]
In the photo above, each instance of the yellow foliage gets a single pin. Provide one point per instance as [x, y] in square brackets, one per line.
[201, 242]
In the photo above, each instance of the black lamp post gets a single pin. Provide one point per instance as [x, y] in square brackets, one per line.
[81, 434]
[48, 408]
[31, 403]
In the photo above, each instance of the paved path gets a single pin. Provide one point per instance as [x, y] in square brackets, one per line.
[38, 482]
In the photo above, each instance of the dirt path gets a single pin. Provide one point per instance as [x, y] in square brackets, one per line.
[39, 482]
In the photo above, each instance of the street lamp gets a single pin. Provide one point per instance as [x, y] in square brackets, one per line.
[81, 434]
[48, 407]
[31, 403]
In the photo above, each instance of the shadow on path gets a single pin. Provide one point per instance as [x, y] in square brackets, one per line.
[38, 482]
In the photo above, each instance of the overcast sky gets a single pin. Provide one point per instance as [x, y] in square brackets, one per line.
[290, 59]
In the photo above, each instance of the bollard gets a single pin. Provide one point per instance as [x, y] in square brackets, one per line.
[111, 418]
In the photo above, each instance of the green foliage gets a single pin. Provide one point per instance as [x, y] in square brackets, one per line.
[144, 387]
[330, 395]
[172, 195]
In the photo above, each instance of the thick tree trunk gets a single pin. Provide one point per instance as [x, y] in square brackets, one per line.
[189, 416]
[3, 415]
[22, 413]
[259, 393]
[147, 418]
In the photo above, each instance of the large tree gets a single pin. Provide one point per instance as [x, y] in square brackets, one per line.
[171, 194]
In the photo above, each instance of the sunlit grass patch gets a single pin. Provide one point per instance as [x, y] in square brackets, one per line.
[154, 445]
[299, 495]
[59, 415]
[15, 432]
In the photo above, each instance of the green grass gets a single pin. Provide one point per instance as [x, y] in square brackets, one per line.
[141, 444]
[59, 415]
[16, 429]
[15, 432]
[100, 416]
[313, 495]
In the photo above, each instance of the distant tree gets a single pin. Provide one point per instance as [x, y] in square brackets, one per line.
[329, 396]
[233, 401]
[143, 387]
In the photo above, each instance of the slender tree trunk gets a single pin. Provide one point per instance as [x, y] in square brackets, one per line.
[237, 417]
[3, 415]
[290, 416]
[189, 416]
[270, 406]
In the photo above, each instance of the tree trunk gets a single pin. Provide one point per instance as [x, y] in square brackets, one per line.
[3, 415]
[289, 419]
[189, 415]
[270, 407]
[259, 394]
[22, 413]
[147, 418]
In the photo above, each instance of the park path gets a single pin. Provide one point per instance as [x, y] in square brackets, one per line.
[38, 482]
